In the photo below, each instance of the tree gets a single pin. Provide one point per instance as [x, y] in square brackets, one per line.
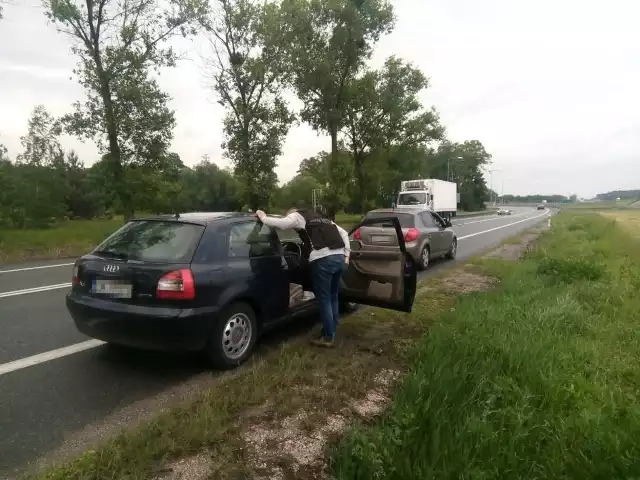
[117, 44]
[299, 189]
[208, 188]
[384, 113]
[247, 77]
[466, 161]
[4, 153]
[83, 200]
[2, 4]
[41, 144]
[38, 193]
[336, 185]
[327, 43]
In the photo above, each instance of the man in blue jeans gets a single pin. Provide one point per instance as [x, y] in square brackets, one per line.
[329, 258]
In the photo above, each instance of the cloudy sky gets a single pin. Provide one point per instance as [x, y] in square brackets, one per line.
[551, 88]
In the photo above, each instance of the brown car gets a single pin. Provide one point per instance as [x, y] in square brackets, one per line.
[426, 234]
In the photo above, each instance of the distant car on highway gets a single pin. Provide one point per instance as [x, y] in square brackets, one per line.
[504, 211]
[213, 282]
[541, 206]
[426, 234]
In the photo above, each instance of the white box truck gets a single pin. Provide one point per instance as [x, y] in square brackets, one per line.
[431, 194]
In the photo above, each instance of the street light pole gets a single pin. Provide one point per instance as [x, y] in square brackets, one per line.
[491, 187]
[448, 161]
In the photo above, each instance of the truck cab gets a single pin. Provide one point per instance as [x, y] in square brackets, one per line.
[431, 194]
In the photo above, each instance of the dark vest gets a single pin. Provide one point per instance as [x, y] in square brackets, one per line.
[321, 231]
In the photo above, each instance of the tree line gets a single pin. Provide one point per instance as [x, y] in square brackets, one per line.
[539, 198]
[380, 132]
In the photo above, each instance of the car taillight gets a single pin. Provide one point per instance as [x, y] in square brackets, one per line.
[356, 234]
[177, 285]
[75, 278]
[411, 235]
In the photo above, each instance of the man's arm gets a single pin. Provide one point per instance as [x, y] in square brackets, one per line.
[290, 221]
[345, 240]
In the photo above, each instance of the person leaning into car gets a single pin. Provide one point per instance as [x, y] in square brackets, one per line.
[329, 258]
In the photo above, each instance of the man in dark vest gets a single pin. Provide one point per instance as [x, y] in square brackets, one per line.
[329, 258]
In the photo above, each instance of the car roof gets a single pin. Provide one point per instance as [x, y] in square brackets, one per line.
[201, 218]
[407, 210]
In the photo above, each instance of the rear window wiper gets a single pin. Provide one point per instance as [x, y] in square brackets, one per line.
[111, 253]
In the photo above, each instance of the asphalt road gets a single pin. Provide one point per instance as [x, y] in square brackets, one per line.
[46, 400]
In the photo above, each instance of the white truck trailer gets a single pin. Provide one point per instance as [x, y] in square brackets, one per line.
[432, 194]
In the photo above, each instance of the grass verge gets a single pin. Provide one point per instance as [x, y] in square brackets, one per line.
[67, 239]
[73, 238]
[538, 378]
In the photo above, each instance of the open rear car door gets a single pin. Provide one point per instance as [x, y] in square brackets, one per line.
[381, 276]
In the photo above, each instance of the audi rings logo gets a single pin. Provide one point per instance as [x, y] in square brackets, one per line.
[111, 268]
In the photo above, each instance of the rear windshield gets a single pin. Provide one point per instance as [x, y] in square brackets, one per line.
[153, 241]
[406, 219]
[412, 198]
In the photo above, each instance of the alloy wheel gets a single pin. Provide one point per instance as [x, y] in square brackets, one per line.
[236, 336]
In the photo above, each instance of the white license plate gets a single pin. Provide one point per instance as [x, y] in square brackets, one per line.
[112, 288]
[380, 239]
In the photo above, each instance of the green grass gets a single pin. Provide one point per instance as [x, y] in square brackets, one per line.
[604, 205]
[67, 239]
[537, 379]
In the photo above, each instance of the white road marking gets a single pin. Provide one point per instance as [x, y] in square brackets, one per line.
[546, 212]
[488, 219]
[48, 356]
[79, 347]
[26, 291]
[26, 269]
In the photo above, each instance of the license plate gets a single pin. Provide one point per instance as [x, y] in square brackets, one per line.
[380, 239]
[112, 288]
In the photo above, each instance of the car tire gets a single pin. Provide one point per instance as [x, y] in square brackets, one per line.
[453, 251]
[425, 258]
[233, 337]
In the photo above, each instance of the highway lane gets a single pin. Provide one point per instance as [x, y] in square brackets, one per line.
[43, 404]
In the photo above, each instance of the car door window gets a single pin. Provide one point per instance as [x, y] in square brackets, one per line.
[439, 222]
[428, 220]
[251, 239]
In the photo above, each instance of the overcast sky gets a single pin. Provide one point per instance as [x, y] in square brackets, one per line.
[551, 88]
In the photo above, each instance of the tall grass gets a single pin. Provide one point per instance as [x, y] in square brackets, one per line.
[538, 379]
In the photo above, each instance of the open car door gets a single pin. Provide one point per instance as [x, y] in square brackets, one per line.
[381, 276]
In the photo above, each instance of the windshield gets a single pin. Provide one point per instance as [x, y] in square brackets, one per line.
[414, 198]
[153, 241]
[406, 219]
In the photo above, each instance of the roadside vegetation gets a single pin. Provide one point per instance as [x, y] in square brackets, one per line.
[538, 378]
[505, 368]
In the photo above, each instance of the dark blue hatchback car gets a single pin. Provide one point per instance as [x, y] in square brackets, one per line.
[213, 282]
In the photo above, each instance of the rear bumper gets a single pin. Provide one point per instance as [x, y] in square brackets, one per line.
[153, 328]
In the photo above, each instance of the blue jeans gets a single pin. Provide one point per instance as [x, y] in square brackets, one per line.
[326, 273]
